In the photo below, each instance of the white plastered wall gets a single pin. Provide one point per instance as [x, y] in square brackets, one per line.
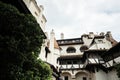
[100, 75]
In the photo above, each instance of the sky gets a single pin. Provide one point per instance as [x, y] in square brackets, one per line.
[76, 17]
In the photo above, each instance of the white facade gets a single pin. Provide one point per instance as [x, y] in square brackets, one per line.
[37, 12]
[54, 50]
[112, 75]
[48, 44]
[80, 74]
[100, 75]
[54, 53]
[101, 44]
[77, 47]
[96, 44]
[71, 71]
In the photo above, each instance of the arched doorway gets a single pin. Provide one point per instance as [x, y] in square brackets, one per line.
[66, 76]
[81, 76]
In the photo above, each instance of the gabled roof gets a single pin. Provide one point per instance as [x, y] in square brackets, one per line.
[113, 41]
[97, 37]
[56, 44]
[112, 53]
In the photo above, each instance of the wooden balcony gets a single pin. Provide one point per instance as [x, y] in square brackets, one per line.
[70, 66]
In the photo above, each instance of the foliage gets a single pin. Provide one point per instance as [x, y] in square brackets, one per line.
[20, 42]
[117, 67]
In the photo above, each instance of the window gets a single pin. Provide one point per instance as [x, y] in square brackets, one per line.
[83, 48]
[75, 62]
[71, 50]
[36, 14]
[41, 21]
[84, 78]
[69, 62]
[62, 62]
[100, 41]
[66, 78]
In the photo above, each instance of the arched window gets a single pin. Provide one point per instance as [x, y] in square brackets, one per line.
[83, 48]
[71, 50]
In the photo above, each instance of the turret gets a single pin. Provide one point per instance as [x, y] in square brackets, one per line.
[109, 35]
[102, 34]
[62, 36]
[41, 7]
[52, 36]
[110, 38]
[91, 34]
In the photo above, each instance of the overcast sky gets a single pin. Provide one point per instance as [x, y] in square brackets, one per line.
[76, 17]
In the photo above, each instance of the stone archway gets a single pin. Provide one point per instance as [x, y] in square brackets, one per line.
[81, 76]
[66, 76]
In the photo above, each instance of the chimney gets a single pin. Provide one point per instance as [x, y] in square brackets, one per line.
[110, 38]
[108, 34]
[102, 34]
[41, 7]
[52, 33]
[62, 36]
[91, 34]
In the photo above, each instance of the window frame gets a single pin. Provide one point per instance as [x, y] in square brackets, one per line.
[71, 50]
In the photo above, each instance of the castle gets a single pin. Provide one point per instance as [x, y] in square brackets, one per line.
[88, 57]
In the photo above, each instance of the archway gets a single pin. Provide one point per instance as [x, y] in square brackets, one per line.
[81, 76]
[71, 50]
[66, 76]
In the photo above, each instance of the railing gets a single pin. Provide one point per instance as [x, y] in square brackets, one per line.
[70, 66]
[95, 61]
[72, 54]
